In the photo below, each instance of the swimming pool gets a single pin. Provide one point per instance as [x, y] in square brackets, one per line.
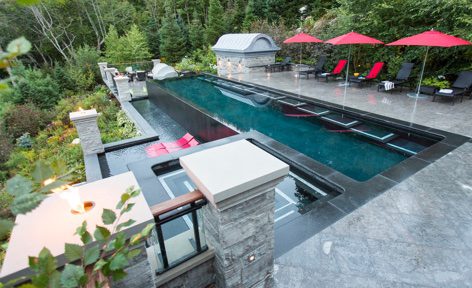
[355, 147]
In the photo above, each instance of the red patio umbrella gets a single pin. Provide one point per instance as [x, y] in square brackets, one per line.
[349, 39]
[429, 39]
[302, 38]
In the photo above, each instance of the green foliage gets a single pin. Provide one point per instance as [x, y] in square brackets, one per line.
[55, 141]
[201, 60]
[28, 195]
[38, 88]
[436, 82]
[249, 16]
[131, 47]
[216, 22]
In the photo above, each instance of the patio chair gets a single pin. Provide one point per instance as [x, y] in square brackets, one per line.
[336, 71]
[373, 74]
[318, 69]
[141, 75]
[163, 148]
[402, 78]
[459, 88]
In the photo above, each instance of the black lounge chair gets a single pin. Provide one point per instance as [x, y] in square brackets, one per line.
[459, 88]
[402, 78]
[315, 70]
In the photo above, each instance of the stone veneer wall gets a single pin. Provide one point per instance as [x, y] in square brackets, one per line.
[239, 232]
[140, 273]
[200, 276]
[242, 63]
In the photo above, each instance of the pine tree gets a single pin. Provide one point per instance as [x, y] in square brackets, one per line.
[216, 23]
[113, 46]
[173, 42]
[152, 35]
[196, 34]
[249, 16]
[237, 16]
[135, 45]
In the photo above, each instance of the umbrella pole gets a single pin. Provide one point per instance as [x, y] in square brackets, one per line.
[417, 94]
[347, 69]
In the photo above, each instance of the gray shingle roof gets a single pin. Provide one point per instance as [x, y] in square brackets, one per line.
[245, 43]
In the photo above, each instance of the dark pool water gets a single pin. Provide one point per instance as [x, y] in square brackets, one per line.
[346, 152]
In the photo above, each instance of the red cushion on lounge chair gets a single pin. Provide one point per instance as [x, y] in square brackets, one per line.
[374, 72]
[191, 143]
[156, 152]
[339, 67]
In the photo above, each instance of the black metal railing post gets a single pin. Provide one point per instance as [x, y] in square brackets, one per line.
[195, 228]
[162, 246]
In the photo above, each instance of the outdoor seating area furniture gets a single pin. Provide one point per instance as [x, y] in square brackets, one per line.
[336, 71]
[163, 148]
[285, 65]
[373, 74]
[459, 88]
[141, 75]
[402, 78]
[318, 69]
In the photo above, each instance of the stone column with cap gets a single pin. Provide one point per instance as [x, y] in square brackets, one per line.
[122, 86]
[109, 71]
[86, 124]
[102, 66]
[155, 62]
[239, 180]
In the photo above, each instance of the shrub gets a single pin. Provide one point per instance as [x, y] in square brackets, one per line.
[24, 141]
[60, 75]
[6, 146]
[201, 60]
[435, 82]
[38, 88]
[22, 119]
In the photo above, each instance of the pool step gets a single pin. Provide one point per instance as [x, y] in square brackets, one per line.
[232, 87]
[340, 120]
[315, 110]
[374, 132]
[291, 102]
[268, 94]
[406, 146]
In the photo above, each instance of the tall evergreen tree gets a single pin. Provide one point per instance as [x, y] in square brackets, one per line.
[152, 35]
[135, 46]
[113, 46]
[216, 22]
[196, 33]
[237, 16]
[249, 16]
[173, 44]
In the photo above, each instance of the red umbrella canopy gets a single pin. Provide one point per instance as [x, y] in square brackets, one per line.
[353, 38]
[302, 38]
[431, 38]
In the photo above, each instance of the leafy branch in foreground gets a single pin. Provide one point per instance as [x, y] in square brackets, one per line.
[103, 255]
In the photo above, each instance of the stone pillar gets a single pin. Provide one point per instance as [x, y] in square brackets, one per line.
[239, 180]
[122, 86]
[109, 74]
[155, 62]
[102, 66]
[86, 124]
